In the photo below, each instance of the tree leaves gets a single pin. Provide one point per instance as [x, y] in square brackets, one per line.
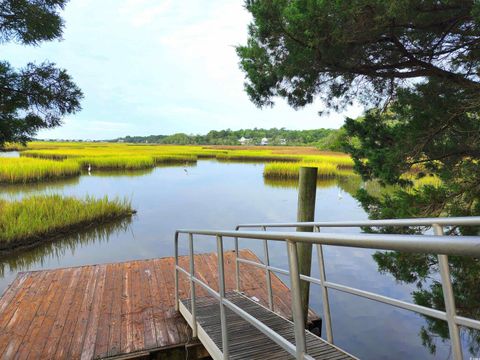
[37, 96]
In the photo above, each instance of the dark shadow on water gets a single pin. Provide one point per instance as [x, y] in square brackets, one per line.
[110, 173]
[22, 260]
[35, 188]
[189, 164]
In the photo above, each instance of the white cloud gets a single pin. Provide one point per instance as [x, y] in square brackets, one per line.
[159, 67]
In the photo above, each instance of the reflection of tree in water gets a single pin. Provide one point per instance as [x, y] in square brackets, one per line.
[24, 260]
[422, 270]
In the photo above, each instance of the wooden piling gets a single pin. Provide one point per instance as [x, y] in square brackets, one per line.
[307, 190]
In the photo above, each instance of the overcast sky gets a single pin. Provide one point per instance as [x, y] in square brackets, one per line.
[159, 67]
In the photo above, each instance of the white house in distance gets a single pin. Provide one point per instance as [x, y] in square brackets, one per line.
[244, 141]
[264, 141]
[283, 142]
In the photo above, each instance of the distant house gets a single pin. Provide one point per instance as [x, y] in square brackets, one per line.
[264, 141]
[244, 141]
[283, 142]
[120, 140]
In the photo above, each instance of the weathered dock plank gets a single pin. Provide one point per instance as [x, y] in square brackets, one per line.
[113, 310]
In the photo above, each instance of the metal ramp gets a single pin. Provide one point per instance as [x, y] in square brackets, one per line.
[244, 340]
[231, 326]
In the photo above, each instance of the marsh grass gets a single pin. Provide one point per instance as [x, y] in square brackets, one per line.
[24, 170]
[114, 156]
[174, 159]
[289, 171]
[22, 258]
[116, 163]
[37, 219]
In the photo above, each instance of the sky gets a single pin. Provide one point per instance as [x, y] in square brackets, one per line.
[160, 67]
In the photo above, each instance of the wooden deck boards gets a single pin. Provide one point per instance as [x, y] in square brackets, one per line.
[109, 310]
[247, 342]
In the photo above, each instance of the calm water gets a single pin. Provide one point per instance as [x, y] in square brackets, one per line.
[220, 195]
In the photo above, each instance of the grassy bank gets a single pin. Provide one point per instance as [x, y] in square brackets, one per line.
[40, 218]
[290, 171]
[164, 153]
[25, 170]
[116, 163]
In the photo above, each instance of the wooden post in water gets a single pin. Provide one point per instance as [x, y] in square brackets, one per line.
[307, 191]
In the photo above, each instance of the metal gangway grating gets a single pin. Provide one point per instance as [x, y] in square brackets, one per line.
[220, 318]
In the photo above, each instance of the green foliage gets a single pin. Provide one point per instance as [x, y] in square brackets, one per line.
[348, 50]
[426, 130]
[333, 141]
[39, 95]
[30, 21]
[231, 137]
[418, 63]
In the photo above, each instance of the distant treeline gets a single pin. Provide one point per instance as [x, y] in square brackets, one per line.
[317, 137]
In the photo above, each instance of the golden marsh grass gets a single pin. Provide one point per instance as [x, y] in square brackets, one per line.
[25, 170]
[37, 218]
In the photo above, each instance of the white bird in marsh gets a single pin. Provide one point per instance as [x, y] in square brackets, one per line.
[89, 169]
[340, 195]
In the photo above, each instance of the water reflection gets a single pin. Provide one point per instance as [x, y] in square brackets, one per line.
[12, 190]
[23, 260]
[293, 184]
[110, 173]
[221, 195]
[9, 154]
[422, 270]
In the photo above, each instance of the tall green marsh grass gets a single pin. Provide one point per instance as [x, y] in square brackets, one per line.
[117, 163]
[38, 218]
[290, 171]
[25, 170]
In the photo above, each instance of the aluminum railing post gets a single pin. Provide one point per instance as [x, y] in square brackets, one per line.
[176, 273]
[326, 303]
[297, 309]
[449, 300]
[268, 275]
[221, 291]
[192, 287]
[237, 266]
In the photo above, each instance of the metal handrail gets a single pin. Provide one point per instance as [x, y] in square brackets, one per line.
[438, 244]
[445, 221]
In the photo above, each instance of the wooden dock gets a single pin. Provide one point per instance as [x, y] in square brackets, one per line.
[121, 310]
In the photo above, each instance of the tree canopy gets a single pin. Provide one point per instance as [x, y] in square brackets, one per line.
[415, 65]
[38, 95]
[361, 49]
[231, 137]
